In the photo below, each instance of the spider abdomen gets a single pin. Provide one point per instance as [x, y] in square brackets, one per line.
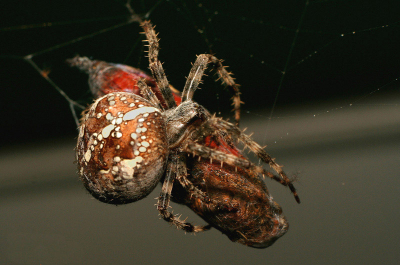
[122, 148]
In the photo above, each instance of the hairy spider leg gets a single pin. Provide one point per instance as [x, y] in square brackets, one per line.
[176, 169]
[257, 150]
[155, 65]
[197, 72]
[217, 124]
[148, 94]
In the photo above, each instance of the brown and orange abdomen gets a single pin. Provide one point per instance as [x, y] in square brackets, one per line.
[122, 148]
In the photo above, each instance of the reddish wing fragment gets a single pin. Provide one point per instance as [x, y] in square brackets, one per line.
[106, 78]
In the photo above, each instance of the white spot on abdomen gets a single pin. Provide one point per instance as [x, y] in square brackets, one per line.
[132, 162]
[107, 130]
[130, 115]
[88, 155]
[129, 165]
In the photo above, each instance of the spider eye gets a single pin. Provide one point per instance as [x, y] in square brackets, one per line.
[122, 148]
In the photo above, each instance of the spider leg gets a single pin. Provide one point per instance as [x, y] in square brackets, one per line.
[181, 176]
[155, 65]
[148, 94]
[174, 168]
[255, 148]
[196, 73]
[202, 152]
[194, 191]
[209, 128]
[188, 185]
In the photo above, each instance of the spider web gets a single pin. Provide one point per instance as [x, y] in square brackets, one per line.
[287, 55]
[315, 76]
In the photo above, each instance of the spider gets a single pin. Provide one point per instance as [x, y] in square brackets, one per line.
[128, 142]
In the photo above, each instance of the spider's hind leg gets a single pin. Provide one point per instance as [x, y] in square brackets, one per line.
[174, 169]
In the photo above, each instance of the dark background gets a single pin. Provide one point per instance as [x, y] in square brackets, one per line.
[334, 123]
[254, 39]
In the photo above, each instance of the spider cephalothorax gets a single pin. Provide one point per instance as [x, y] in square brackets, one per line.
[129, 141]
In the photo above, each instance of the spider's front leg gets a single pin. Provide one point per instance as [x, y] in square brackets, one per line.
[176, 170]
[155, 65]
[197, 72]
